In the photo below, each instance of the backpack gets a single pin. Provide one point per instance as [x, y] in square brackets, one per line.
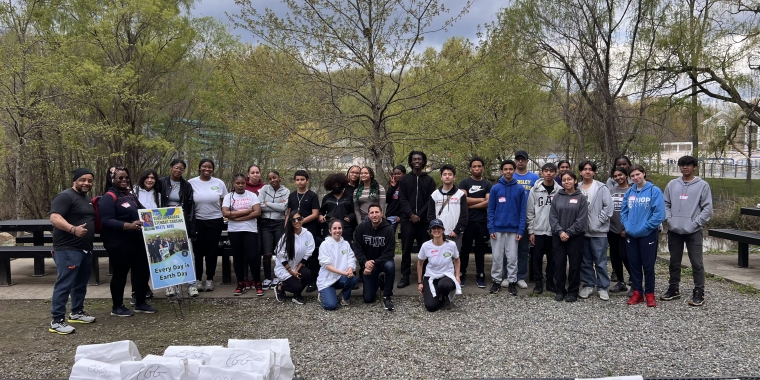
[95, 201]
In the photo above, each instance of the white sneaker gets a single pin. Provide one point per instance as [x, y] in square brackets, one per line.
[266, 284]
[522, 284]
[60, 327]
[209, 285]
[586, 291]
[603, 295]
[170, 292]
[81, 317]
[199, 285]
[344, 302]
[192, 290]
[275, 282]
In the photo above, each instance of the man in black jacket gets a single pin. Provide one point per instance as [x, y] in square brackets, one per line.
[374, 247]
[414, 191]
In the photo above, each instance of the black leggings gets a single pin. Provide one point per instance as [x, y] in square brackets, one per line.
[125, 255]
[245, 254]
[296, 286]
[443, 286]
[207, 246]
[618, 255]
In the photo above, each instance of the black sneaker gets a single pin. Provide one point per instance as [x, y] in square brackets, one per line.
[559, 297]
[630, 292]
[462, 278]
[697, 297]
[614, 277]
[671, 294]
[550, 285]
[145, 308]
[513, 288]
[387, 304]
[539, 289]
[279, 294]
[311, 288]
[133, 299]
[149, 294]
[403, 283]
[619, 287]
[298, 300]
[495, 288]
[571, 298]
[481, 280]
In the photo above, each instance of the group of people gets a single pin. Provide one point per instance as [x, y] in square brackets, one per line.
[350, 236]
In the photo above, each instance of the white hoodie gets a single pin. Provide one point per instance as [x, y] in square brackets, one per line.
[304, 247]
[335, 253]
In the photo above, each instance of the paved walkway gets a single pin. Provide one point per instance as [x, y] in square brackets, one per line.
[28, 287]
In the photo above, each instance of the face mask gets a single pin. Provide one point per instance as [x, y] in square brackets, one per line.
[338, 190]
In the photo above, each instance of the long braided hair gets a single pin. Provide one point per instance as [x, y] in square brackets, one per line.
[374, 187]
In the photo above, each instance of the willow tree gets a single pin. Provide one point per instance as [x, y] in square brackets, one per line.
[356, 53]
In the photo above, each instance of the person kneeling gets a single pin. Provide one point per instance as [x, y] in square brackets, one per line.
[441, 275]
[337, 262]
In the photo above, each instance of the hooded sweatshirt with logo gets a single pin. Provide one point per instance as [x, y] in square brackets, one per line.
[600, 210]
[335, 253]
[371, 243]
[414, 192]
[454, 215]
[569, 213]
[688, 205]
[507, 207]
[539, 208]
[643, 210]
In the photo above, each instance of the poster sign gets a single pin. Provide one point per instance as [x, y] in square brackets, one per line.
[170, 252]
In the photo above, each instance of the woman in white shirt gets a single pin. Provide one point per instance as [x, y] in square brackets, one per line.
[208, 192]
[293, 252]
[441, 275]
[337, 263]
[241, 207]
[145, 191]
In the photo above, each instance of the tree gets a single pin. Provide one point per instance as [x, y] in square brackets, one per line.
[357, 53]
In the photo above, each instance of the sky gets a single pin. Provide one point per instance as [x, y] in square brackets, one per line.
[481, 12]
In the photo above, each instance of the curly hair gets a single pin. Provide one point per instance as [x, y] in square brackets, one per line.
[335, 180]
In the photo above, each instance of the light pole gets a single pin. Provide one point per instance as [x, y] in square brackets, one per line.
[753, 61]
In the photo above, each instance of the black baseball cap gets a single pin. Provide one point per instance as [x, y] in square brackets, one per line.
[521, 153]
[435, 223]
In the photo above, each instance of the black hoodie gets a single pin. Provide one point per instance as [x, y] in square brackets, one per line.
[413, 194]
[569, 213]
[372, 243]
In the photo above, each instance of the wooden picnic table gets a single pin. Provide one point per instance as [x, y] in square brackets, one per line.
[754, 211]
[37, 227]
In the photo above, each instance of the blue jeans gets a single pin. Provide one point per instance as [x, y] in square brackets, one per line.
[523, 256]
[330, 298]
[74, 268]
[595, 255]
[371, 283]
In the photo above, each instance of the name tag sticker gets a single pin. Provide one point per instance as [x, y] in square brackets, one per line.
[573, 200]
[502, 199]
[632, 198]
[684, 197]
[125, 205]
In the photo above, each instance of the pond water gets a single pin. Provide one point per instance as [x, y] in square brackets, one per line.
[709, 243]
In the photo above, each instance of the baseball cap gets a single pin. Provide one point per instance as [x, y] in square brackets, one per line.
[435, 223]
[521, 153]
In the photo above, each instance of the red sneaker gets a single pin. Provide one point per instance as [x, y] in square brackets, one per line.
[651, 302]
[259, 289]
[240, 289]
[636, 298]
[248, 284]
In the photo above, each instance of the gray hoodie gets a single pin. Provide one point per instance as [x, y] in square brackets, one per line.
[600, 211]
[539, 207]
[688, 206]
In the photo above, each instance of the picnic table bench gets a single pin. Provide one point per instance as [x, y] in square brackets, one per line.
[742, 238]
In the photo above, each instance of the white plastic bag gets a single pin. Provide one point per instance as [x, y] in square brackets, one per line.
[87, 369]
[191, 365]
[214, 373]
[283, 368]
[169, 369]
[114, 353]
[191, 352]
[243, 360]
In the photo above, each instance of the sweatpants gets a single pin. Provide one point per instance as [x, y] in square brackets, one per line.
[618, 255]
[245, 254]
[443, 286]
[295, 285]
[411, 232]
[206, 247]
[567, 253]
[125, 255]
[642, 253]
[477, 232]
[504, 248]
[74, 268]
[543, 248]
[693, 243]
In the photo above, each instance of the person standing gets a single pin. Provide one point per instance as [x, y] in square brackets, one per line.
[563, 166]
[241, 207]
[616, 236]
[374, 247]
[208, 192]
[525, 179]
[393, 206]
[688, 206]
[73, 217]
[441, 273]
[506, 221]
[642, 213]
[449, 205]
[337, 267]
[594, 265]
[414, 190]
[274, 203]
[539, 229]
[338, 204]
[253, 182]
[306, 203]
[623, 162]
[568, 218]
[477, 190]
[368, 192]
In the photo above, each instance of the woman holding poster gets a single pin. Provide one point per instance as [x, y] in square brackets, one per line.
[241, 207]
[122, 238]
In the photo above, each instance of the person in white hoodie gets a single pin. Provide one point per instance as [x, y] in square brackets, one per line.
[688, 206]
[449, 204]
[594, 265]
[539, 229]
[293, 252]
[441, 274]
[337, 264]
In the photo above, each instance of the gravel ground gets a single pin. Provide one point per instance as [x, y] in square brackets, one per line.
[481, 336]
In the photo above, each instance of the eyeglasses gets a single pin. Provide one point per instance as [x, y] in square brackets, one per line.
[297, 219]
[121, 178]
[179, 168]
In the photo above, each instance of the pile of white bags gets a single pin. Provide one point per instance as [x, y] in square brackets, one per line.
[267, 359]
